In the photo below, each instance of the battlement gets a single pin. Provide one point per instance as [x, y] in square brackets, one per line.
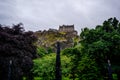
[67, 28]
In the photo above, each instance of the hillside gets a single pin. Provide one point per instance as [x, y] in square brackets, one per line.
[49, 38]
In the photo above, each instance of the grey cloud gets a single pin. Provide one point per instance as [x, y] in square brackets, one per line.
[44, 14]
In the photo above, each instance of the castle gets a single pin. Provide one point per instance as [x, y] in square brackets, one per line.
[67, 28]
[66, 34]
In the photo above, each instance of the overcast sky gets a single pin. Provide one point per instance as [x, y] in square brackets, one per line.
[45, 14]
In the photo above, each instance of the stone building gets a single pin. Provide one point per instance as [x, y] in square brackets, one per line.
[67, 28]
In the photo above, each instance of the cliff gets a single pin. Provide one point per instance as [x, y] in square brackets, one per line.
[49, 38]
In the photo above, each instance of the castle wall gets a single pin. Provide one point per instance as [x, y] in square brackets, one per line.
[66, 28]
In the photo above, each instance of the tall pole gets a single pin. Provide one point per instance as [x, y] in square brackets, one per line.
[58, 64]
[109, 71]
[9, 71]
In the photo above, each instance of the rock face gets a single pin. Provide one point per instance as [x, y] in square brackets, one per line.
[65, 35]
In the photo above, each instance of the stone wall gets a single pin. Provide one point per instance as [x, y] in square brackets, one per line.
[66, 28]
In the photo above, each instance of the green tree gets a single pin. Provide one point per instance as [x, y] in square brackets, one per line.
[75, 56]
[102, 44]
[88, 69]
[41, 51]
[45, 67]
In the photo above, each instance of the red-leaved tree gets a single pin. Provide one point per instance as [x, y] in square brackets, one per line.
[16, 53]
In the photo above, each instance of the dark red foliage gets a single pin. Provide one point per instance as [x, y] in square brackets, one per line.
[16, 45]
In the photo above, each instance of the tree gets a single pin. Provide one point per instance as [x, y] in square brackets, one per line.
[16, 52]
[75, 56]
[88, 69]
[41, 51]
[102, 44]
[44, 67]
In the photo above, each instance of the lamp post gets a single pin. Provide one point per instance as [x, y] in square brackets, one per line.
[9, 71]
[109, 71]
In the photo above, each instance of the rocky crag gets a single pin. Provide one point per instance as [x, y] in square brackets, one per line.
[66, 35]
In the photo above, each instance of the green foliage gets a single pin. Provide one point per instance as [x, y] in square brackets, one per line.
[49, 50]
[86, 60]
[103, 43]
[45, 66]
[75, 56]
[115, 77]
[41, 51]
[88, 69]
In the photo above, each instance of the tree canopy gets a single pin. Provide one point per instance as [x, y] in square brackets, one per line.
[103, 43]
[86, 60]
[16, 52]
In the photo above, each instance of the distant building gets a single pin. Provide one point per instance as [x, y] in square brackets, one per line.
[67, 28]
[53, 30]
